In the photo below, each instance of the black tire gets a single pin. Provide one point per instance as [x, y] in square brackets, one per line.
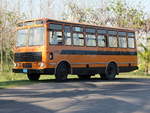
[110, 72]
[33, 76]
[62, 72]
[84, 77]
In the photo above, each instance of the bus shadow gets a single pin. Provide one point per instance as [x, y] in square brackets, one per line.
[14, 83]
[84, 94]
[95, 80]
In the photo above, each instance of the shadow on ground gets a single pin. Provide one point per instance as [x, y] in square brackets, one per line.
[122, 95]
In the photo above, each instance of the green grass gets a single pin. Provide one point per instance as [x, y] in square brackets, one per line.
[8, 79]
[135, 74]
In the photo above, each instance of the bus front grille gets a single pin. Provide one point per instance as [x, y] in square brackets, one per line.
[28, 57]
[27, 65]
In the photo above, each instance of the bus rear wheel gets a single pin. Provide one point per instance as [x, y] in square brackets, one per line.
[110, 72]
[61, 72]
[84, 77]
[33, 76]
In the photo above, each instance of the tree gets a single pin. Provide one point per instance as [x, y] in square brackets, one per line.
[75, 12]
[117, 13]
[125, 16]
[8, 21]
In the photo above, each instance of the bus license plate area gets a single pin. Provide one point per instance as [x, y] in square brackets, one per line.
[25, 70]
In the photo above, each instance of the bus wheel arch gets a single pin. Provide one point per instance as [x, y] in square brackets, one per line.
[62, 70]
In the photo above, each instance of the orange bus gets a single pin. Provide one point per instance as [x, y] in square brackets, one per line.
[52, 47]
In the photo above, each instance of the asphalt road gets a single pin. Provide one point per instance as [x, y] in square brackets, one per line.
[74, 96]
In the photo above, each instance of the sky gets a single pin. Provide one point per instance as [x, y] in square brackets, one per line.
[57, 6]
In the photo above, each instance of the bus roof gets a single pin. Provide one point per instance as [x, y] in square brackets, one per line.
[75, 23]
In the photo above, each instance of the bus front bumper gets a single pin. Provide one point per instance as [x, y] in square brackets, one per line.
[40, 71]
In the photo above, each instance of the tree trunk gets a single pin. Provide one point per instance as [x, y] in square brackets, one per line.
[1, 53]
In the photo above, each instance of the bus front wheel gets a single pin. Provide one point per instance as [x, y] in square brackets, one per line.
[110, 72]
[61, 72]
[33, 76]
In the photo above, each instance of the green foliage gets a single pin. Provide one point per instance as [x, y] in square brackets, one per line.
[126, 16]
[145, 56]
[8, 22]
[117, 13]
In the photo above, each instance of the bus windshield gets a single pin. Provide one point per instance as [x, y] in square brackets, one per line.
[30, 37]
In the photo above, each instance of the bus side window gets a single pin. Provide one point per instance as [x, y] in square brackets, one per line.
[131, 40]
[90, 40]
[101, 40]
[67, 35]
[112, 40]
[122, 42]
[122, 39]
[131, 43]
[55, 37]
[78, 39]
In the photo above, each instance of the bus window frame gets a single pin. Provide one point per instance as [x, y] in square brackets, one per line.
[30, 27]
[89, 33]
[105, 35]
[68, 32]
[123, 36]
[55, 30]
[135, 46]
[112, 36]
[84, 33]
[78, 33]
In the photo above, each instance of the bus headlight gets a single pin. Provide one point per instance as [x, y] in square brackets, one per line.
[41, 64]
[15, 65]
